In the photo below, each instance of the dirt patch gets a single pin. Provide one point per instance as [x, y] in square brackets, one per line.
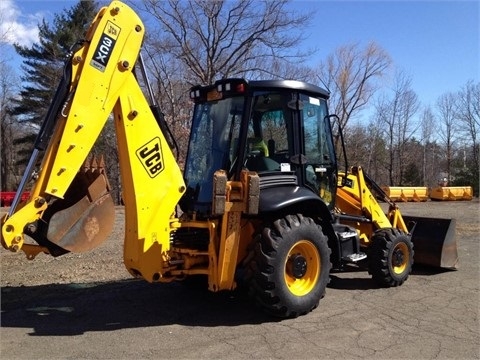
[105, 263]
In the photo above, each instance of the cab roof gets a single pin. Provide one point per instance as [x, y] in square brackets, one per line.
[253, 85]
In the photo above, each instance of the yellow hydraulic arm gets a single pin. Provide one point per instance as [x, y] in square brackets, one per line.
[100, 80]
[356, 198]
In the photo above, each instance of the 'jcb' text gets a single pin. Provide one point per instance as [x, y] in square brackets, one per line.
[150, 156]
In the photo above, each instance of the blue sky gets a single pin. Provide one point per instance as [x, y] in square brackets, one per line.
[436, 42]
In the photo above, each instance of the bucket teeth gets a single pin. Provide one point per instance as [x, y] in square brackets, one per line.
[93, 167]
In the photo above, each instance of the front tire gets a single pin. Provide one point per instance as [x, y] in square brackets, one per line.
[391, 257]
[290, 267]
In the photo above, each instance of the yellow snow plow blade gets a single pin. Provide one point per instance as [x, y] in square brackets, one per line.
[434, 241]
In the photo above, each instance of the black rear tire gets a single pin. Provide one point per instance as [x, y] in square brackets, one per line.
[289, 268]
[390, 257]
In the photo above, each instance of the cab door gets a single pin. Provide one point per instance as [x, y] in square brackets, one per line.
[320, 168]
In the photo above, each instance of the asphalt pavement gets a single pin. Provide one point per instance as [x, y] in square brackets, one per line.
[433, 315]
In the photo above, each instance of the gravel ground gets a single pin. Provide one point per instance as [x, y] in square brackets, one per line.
[86, 306]
[105, 263]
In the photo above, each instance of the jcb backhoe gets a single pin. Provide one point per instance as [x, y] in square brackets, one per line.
[261, 202]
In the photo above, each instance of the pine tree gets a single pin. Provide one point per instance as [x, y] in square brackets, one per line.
[43, 66]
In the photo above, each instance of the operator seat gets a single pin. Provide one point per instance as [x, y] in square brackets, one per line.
[262, 163]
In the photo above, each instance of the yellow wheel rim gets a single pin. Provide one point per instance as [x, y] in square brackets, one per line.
[400, 258]
[302, 268]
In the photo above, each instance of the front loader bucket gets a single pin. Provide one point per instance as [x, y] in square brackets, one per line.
[434, 241]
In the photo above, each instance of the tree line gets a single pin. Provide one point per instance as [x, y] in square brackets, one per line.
[190, 42]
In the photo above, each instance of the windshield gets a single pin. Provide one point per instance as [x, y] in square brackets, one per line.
[213, 144]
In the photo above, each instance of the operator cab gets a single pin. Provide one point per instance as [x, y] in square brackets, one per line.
[277, 128]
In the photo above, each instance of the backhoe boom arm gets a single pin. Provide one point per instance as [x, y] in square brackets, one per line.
[70, 208]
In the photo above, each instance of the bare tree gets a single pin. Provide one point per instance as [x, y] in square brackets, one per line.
[468, 112]
[448, 128]
[197, 42]
[351, 75]
[396, 113]
[407, 129]
[366, 147]
[377, 155]
[8, 87]
[427, 121]
[219, 39]
[174, 100]
[5, 126]
[4, 35]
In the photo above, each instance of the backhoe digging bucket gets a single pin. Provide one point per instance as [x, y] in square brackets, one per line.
[434, 241]
[85, 217]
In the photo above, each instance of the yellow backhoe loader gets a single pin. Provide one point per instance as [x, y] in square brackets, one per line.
[261, 202]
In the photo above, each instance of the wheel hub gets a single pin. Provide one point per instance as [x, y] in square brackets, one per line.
[398, 257]
[298, 266]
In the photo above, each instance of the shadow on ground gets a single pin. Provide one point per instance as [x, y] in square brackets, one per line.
[347, 280]
[72, 309]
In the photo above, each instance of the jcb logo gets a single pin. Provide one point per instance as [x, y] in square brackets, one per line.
[150, 156]
[112, 30]
[105, 46]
